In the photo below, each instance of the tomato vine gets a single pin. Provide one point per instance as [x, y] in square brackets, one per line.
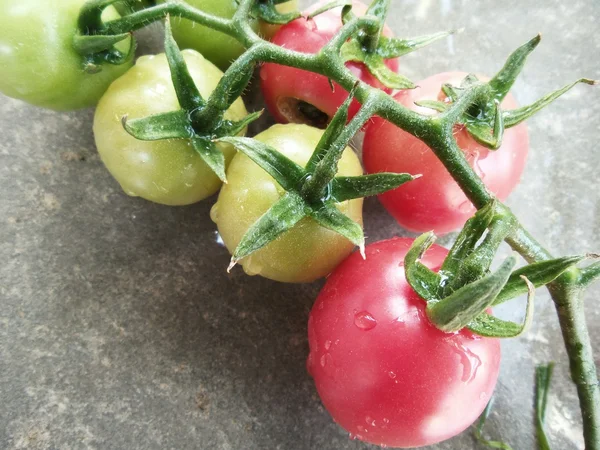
[435, 130]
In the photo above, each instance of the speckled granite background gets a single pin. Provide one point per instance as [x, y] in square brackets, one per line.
[120, 329]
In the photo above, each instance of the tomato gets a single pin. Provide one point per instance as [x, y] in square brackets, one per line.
[307, 251]
[38, 63]
[128, 6]
[294, 95]
[435, 201]
[167, 171]
[219, 48]
[382, 370]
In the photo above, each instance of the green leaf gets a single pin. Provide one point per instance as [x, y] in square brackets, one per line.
[390, 48]
[489, 326]
[329, 6]
[285, 171]
[88, 45]
[539, 274]
[330, 217]
[516, 116]
[187, 93]
[347, 188]
[479, 430]
[211, 155]
[385, 75]
[268, 13]
[543, 376]
[171, 125]
[281, 217]
[433, 104]
[466, 241]
[505, 78]
[423, 280]
[330, 135]
[456, 311]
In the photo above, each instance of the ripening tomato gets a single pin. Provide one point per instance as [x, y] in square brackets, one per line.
[38, 63]
[382, 370]
[306, 252]
[166, 171]
[435, 201]
[217, 47]
[298, 96]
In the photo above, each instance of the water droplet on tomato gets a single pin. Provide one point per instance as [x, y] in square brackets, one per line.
[466, 207]
[364, 320]
[323, 361]
[386, 421]
[469, 360]
[392, 374]
[327, 345]
[219, 239]
[370, 421]
[214, 213]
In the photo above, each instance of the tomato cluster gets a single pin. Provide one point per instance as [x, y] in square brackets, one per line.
[383, 370]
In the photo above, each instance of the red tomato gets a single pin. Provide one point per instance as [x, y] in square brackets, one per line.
[435, 201]
[383, 371]
[298, 96]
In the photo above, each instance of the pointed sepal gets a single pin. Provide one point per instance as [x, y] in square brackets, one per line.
[390, 48]
[348, 188]
[456, 311]
[211, 155]
[171, 125]
[423, 280]
[328, 216]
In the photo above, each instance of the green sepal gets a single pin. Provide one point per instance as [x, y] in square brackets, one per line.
[354, 51]
[267, 12]
[543, 377]
[466, 242]
[539, 274]
[233, 128]
[505, 78]
[348, 188]
[433, 104]
[456, 311]
[330, 217]
[423, 280]
[330, 135]
[281, 217]
[516, 116]
[390, 48]
[478, 433]
[171, 125]
[187, 93]
[489, 326]
[488, 137]
[329, 6]
[211, 155]
[285, 171]
[97, 43]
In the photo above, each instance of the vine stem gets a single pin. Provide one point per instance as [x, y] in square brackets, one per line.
[437, 133]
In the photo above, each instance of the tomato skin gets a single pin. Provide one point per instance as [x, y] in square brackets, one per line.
[169, 172]
[382, 370]
[38, 63]
[435, 201]
[307, 251]
[215, 46]
[282, 86]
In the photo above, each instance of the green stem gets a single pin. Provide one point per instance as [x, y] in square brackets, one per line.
[590, 274]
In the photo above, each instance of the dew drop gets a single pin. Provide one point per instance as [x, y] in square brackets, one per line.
[214, 213]
[469, 360]
[364, 320]
[323, 361]
[392, 374]
[386, 421]
[466, 207]
[327, 345]
[370, 421]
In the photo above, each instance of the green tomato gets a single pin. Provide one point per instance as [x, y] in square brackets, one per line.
[219, 48]
[38, 63]
[170, 171]
[306, 252]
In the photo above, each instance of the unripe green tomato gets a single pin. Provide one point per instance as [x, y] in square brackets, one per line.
[38, 63]
[170, 171]
[306, 252]
[219, 48]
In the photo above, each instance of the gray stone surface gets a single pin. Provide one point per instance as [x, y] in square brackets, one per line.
[120, 329]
